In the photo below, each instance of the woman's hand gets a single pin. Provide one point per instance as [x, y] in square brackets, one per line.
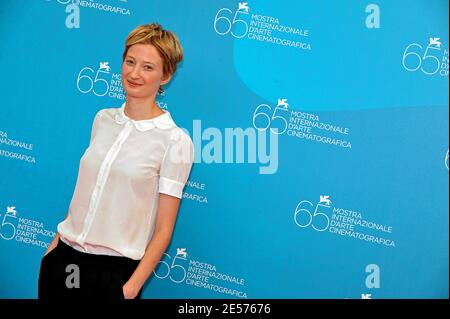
[130, 291]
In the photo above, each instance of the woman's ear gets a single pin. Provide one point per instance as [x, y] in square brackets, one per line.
[166, 79]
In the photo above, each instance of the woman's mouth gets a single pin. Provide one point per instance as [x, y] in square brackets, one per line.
[132, 83]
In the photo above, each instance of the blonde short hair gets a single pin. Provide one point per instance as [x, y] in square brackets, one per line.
[165, 42]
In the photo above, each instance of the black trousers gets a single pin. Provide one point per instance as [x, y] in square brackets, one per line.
[69, 273]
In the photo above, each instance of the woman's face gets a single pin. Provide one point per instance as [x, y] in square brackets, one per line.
[142, 71]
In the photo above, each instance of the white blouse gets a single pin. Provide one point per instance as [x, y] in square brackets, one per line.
[123, 170]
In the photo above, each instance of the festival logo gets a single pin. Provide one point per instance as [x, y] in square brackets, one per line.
[283, 120]
[186, 271]
[241, 23]
[23, 230]
[430, 59]
[324, 217]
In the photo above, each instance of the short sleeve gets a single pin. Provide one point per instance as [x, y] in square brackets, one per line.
[95, 125]
[176, 164]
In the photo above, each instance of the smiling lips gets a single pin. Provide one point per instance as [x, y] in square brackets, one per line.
[132, 83]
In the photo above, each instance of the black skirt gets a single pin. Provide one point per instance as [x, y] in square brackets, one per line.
[68, 273]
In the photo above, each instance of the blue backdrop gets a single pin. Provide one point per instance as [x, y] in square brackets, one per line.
[348, 200]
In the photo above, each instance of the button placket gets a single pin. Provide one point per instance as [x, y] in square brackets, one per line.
[102, 177]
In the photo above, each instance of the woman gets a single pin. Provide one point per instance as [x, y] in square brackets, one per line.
[129, 184]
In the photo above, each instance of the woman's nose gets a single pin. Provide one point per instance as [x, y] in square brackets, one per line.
[134, 72]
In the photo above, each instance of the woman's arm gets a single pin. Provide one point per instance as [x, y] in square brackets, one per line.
[165, 222]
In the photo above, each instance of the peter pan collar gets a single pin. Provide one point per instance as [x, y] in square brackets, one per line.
[163, 121]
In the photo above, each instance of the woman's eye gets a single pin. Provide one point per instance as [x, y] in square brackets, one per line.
[148, 67]
[129, 61]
